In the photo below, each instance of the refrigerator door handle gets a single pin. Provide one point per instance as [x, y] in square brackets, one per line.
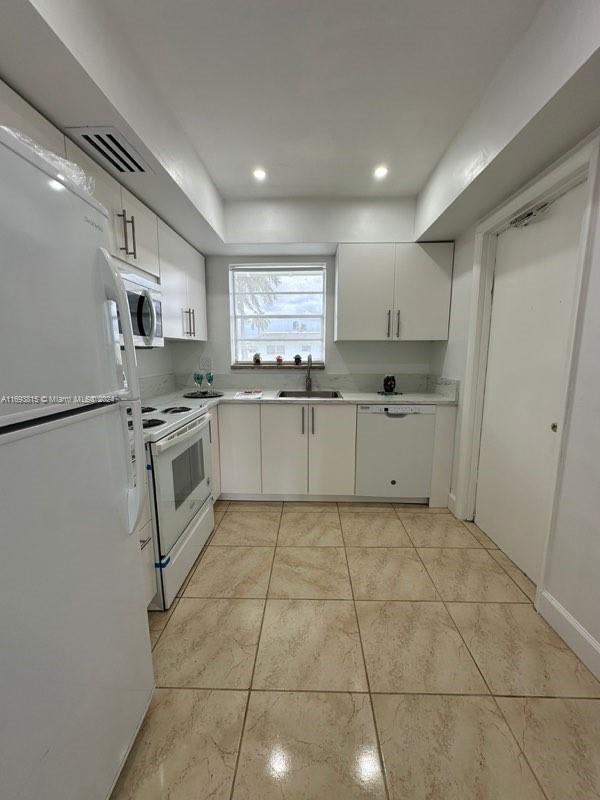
[135, 492]
[115, 291]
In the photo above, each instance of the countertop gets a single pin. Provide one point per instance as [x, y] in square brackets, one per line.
[353, 398]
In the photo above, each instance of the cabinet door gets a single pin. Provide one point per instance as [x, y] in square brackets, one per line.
[284, 449]
[422, 290]
[364, 291]
[106, 190]
[196, 294]
[214, 448]
[239, 448]
[331, 449]
[142, 234]
[173, 281]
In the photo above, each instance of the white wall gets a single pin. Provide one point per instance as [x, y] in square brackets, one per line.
[572, 578]
[449, 359]
[289, 221]
[562, 37]
[352, 363]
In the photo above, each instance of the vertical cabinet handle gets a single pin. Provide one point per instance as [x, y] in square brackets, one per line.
[193, 311]
[134, 251]
[389, 323]
[398, 324]
[123, 216]
[302, 420]
[312, 418]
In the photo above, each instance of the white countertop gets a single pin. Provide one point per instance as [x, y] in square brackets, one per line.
[354, 398]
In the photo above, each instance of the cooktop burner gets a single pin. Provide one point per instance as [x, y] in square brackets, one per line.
[176, 410]
[152, 423]
[145, 409]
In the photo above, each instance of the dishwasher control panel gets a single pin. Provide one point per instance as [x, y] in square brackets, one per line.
[397, 409]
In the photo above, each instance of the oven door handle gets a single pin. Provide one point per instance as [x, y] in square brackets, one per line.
[167, 443]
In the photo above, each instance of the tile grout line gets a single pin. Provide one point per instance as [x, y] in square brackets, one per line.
[262, 620]
[362, 650]
[490, 693]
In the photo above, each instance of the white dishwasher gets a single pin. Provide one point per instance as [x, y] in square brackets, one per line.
[394, 451]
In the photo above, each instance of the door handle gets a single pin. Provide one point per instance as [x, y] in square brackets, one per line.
[134, 251]
[193, 312]
[398, 324]
[302, 420]
[312, 419]
[389, 323]
[126, 222]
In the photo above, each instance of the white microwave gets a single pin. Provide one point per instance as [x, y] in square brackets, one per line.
[145, 308]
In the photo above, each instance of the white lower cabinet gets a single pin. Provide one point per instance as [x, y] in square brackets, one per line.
[331, 449]
[239, 448]
[284, 448]
[215, 455]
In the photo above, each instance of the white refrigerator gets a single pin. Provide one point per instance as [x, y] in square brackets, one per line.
[75, 663]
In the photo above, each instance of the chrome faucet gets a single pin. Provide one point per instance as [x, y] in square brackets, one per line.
[308, 378]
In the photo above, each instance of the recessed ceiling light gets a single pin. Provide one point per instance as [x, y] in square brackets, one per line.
[380, 172]
[259, 174]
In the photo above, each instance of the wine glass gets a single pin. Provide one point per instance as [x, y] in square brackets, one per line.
[210, 377]
[198, 378]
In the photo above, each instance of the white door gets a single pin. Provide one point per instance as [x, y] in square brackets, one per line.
[173, 281]
[284, 448]
[527, 360]
[364, 291]
[422, 286]
[196, 294]
[239, 446]
[331, 449]
[142, 234]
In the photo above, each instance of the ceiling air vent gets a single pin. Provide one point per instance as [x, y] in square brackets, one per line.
[111, 147]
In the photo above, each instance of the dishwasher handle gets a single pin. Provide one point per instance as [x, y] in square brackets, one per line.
[391, 415]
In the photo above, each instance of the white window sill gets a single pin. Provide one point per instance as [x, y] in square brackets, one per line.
[273, 365]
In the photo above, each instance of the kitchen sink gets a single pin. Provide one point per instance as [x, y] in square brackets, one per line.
[317, 394]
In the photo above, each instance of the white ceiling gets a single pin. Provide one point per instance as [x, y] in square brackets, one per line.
[320, 91]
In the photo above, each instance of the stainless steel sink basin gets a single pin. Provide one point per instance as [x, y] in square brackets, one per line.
[317, 394]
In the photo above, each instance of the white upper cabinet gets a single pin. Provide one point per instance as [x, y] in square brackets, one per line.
[331, 449]
[364, 291]
[422, 289]
[393, 292]
[284, 429]
[137, 234]
[106, 190]
[182, 277]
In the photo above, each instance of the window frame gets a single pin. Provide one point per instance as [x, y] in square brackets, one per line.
[233, 317]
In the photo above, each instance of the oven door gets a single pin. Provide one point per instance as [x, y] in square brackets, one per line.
[145, 309]
[182, 474]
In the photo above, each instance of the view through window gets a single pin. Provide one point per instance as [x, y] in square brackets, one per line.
[277, 311]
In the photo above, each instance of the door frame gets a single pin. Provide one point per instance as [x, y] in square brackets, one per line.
[577, 165]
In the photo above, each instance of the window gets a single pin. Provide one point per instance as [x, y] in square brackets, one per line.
[277, 311]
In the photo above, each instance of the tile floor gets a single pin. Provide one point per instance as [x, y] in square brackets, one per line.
[324, 651]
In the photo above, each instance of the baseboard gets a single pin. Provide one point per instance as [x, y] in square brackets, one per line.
[580, 640]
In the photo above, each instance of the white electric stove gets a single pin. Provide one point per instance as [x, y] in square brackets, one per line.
[178, 458]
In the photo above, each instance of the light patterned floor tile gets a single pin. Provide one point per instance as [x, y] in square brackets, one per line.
[368, 508]
[519, 653]
[407, 509]
[470, 575]
[373, 530]
[186, 748]
[209, 644]
[310, 529]
[310, 644]
[561, 739]
[450, 748]
[438, 530]
[309, 746]
[414, 647]
[310, 572]
[527, 585]
[232, 572]
[483, 539]
[389, 573]
[292, 506]
[247, 528]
